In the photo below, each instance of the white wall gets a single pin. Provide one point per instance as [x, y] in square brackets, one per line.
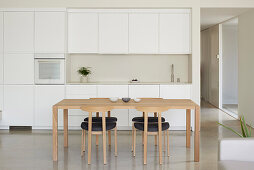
[246, 66]
[229, 64]
[146, 68]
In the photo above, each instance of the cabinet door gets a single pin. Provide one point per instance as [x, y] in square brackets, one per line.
[1, 97]
[45, 98]
[19, 32]
[82, 33]
[142, 91]
[76, 116]
[175, 117]
[175, 91]
[1, 68]
[19, 105]
[1, 32]
[49, 32]
[143, 33]
[19, 69]
[113, 33]
[175, 33]
[107, 91]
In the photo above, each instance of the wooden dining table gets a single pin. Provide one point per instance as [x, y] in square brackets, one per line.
[185, 104]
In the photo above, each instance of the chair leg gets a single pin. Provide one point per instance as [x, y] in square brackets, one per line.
[164, 141]
[115, 141]
[82, 142]
[155, 140]
[134, 142]
[142, 137]
[168, 141]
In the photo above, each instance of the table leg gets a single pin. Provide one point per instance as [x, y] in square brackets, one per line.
[109, 132]
[155, 137]
[104, 137]
[197, 133]
[55, 135]
[188, 127]
[160, 137]
[65, 127]
[89, 137]
[145, 136]
[97, 136]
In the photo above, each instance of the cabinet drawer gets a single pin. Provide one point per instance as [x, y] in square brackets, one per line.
[81, 91]
[175, 91]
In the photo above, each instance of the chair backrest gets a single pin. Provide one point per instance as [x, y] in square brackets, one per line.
[236, 149]
[152, 109]
[96, 108]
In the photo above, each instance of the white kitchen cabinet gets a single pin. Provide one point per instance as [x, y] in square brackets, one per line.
[49, 32]
[18, 69]
[1, 48]
[81, 91]
[82, 32]
[175, 91]
[1, 32]
[107, 91]
[1, 97]
[45, 97]
[142, 91]
[1, 68]
[113, 33]
[143, 33]
[76, 116]
[19, 32]
[174, 33]
[19, 105]
[176, 117]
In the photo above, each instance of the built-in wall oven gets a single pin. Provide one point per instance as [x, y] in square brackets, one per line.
[49, 68]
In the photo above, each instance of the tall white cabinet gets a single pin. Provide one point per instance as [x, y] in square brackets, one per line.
[50, 31]
[18, 68]
[113, 33]
[19, 32]
[1, 48]
[19, 105]
[45, 97]
[143, 33]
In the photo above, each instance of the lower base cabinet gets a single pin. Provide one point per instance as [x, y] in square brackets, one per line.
[18, 105]
[45, 97]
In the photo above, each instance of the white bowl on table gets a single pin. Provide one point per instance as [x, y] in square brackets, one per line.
[113, 99]
[137, 100]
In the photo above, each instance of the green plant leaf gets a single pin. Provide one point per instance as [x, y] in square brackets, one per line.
[231, 130]
[243, 132]
[245, 128]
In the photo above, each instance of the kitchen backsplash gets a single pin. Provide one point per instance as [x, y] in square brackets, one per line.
[146, 68]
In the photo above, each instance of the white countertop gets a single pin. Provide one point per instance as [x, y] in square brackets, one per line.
[128, 83]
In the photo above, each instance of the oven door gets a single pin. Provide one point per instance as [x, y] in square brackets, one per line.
[49, 71]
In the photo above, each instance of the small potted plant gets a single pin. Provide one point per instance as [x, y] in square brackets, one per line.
[84, 72]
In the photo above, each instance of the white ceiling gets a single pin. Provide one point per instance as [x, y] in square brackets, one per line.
[213, 16]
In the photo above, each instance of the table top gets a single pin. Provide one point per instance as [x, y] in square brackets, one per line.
[168, 103]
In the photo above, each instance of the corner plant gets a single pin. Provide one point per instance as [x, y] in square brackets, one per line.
[84, 71]
[246, 132]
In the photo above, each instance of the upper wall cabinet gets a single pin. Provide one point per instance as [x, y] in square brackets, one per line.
[113, 33]
[19, 32]
[82, 32]
[174, 31]
[143, 33]
[49, 32]
[1, 32]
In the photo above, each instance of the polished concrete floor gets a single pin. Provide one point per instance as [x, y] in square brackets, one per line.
[32, 150]
[231, 107]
